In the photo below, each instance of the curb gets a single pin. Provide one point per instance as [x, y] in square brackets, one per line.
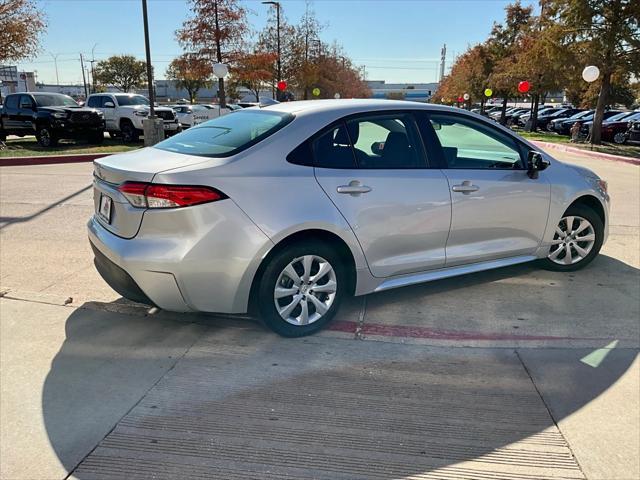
[585, 152]
[50, 159]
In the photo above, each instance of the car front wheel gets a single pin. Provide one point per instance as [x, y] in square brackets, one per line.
[301, 289]
[46, 138]
[129, 133]
[577, 240]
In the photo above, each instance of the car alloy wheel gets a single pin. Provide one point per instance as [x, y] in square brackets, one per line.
[574, 238]
[305, 290]
[619, 138]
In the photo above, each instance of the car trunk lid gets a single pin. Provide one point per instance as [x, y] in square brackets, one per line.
[112, 209]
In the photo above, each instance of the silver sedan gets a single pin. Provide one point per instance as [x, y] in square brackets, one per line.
[283, 211]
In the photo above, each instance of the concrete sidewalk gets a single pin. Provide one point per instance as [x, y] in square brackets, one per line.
[134, 396]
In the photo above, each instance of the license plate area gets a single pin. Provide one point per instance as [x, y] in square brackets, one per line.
[105, 207]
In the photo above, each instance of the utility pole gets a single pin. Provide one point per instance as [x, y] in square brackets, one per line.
[84, 80]
[443, 55]
[93, 77]
[279, 64]
[55, 62]
[147, 49]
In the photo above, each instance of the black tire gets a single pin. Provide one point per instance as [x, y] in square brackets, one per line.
[593, 218]
[46, 137]
[276, 264]
[620, 138]
[96, 138]
[3, 136]
[129, 132]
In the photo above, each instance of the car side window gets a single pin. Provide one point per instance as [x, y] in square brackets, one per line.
[94, 102]
[25, 102]
[12, 101]
[386, 141]
[332, 149]
[467, 144]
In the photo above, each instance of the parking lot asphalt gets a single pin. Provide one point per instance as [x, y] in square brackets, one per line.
[514, 373]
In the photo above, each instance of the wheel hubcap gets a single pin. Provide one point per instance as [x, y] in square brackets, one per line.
[305, 290]
[44, 136]
[573, 240]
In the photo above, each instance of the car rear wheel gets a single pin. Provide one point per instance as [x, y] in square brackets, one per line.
[619, 138]
[577, 240]
[129, 132]
[301, 289]
[46, 138]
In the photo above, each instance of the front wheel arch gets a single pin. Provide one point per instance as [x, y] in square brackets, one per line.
[305, 235]
[593, 203]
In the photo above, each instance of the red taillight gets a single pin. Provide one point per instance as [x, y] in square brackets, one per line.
[156, 195]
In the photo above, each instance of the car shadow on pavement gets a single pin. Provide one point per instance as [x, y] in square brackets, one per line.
[174, 396]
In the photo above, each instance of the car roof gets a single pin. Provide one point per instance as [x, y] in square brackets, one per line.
[348, 106]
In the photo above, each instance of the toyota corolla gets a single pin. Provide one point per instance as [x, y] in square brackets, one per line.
[283, 211]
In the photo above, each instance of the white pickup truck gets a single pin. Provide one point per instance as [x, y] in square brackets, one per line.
[124, 112]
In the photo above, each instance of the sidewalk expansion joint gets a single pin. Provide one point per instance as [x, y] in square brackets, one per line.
[546, 406]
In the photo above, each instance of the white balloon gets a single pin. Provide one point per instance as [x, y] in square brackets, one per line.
[336, 96]
[590, 73]
[220, 70]
[466, 96]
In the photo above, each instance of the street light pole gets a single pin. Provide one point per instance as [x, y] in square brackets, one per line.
[279, 63]
[55, 62]
[84, 80]
[147, 49]
[93, 78]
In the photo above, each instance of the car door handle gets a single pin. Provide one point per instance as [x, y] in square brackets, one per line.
[465, 188]
[354, 188]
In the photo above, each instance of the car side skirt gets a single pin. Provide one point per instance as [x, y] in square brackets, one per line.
[371, 284]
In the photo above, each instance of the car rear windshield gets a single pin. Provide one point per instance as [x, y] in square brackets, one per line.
[55, 100]
[227, 135]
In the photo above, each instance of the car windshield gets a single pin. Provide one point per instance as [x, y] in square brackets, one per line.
[55, 100]
[581, 115]
[226, 135]
[126, 100]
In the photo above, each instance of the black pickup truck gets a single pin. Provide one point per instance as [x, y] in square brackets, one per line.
[50, 117]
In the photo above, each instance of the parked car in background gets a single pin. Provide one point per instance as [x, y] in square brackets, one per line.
[257, 211]
[522, 118]
[616, 130]
[510, 118]
[190, 115]
[557, 125]
[564, 112]
[50, 117]
[124, 113]
[586, 126]
[633, 132]
[564, 127]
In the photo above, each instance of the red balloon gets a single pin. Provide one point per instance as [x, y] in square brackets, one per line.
[282, 85]
[524, 86]
[460, 99]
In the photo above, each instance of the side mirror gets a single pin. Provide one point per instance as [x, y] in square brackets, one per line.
[536, 163]
[109, 105]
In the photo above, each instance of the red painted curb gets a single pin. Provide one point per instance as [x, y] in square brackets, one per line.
[406, 331]
[50, 159]
[585, 152]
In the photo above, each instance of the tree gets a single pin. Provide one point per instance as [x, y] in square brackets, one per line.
[605, 33]
[121, 71]
[191, 73]
[501, 45]
[21, 26]
[253, 71]
[216, 33]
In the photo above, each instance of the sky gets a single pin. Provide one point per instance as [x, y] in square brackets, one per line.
[395, 40]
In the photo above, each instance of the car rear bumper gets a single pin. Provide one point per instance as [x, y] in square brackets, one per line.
[200, 258]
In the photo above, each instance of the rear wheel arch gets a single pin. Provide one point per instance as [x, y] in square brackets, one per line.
[302, 236]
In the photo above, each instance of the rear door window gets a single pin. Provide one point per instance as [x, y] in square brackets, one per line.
[332, 149]
[12, 101]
